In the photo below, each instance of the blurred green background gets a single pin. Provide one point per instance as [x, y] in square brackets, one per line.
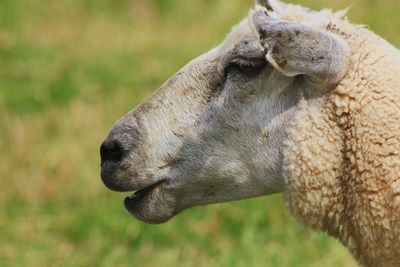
[68, 70]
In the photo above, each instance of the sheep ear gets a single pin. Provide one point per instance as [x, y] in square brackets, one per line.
[271, 5]
[296, 49]
[265, 3]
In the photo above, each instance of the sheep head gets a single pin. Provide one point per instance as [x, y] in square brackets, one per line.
[215, 131]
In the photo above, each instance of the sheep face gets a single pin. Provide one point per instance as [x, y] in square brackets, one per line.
[215, 131]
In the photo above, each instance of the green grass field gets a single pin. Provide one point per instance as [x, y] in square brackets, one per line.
[68, 70]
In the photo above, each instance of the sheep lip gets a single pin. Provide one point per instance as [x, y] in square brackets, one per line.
[132, 200]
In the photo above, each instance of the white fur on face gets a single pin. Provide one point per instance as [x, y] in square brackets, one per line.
[214, 132]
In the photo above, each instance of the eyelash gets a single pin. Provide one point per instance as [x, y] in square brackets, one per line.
[248, 66]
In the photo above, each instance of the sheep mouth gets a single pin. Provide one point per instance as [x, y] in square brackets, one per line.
[132, 202]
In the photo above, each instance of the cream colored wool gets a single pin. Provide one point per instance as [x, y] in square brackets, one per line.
[342, 156]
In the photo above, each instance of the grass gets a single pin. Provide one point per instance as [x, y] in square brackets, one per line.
[68, 70]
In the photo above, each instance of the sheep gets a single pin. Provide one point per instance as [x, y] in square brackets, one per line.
[293, 101]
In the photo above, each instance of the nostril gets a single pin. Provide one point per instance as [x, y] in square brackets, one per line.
[110, 151]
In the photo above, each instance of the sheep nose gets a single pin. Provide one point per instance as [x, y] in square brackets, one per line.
[120, 156]
[111, 150]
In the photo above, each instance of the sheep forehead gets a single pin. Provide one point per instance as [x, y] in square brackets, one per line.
[234, 38]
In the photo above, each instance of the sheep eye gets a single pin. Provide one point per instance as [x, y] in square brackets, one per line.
[249, 66]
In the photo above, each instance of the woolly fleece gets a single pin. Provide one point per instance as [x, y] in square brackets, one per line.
[342, 156]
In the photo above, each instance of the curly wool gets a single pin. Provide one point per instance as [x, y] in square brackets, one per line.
[342, 157]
